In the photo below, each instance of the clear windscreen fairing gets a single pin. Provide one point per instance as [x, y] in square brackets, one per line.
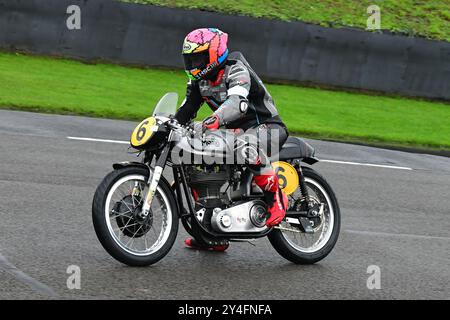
[167, 106]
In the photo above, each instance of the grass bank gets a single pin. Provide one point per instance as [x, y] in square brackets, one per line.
[111, 91]
[430, 18]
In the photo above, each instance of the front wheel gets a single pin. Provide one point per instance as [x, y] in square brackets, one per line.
[291, 242]
[125, 233]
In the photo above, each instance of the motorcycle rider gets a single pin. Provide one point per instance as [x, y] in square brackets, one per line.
[239, 100]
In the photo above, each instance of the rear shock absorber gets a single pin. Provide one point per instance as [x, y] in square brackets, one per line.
[303, 189]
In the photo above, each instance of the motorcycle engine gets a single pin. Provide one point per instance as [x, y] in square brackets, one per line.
[213, 205]
[207, 182]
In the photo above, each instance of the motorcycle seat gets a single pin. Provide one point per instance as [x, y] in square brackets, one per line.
[295, 148]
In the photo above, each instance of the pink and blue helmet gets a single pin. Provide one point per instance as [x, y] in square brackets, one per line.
[204, 52]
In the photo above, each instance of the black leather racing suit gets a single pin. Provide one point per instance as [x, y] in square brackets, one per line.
[240, 101]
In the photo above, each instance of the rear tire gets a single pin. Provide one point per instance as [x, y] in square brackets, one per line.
[103, 231]
[287, 250]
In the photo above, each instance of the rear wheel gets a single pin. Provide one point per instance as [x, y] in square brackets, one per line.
[126, 234]
[300, 247]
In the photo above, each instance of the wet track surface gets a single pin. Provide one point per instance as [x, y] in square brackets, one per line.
[396, 219]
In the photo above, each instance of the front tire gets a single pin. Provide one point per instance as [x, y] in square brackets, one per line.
[281, 239]
[113, 206]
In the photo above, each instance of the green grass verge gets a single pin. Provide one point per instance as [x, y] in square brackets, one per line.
[112, 91]
[429, 18]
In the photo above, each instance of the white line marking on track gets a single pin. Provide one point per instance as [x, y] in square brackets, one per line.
[400, 235]
[365, 164]
[8, 267]
[320, 160]
[98, 140]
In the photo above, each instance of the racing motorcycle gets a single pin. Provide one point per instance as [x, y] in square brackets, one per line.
[136, 211]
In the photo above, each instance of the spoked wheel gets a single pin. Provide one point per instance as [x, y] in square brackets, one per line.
[290, 239]
[126, 213]
[127, 234]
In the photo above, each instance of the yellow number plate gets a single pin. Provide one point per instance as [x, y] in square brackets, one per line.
[143, 132]
[287, 176]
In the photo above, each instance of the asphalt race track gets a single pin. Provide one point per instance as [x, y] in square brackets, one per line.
[392, 217]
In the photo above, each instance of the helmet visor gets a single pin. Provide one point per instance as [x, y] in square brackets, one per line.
[196, 60]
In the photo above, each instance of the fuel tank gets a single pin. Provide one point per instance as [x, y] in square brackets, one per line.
[217, 147]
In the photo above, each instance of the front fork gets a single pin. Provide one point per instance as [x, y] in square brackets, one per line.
[153, 180]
